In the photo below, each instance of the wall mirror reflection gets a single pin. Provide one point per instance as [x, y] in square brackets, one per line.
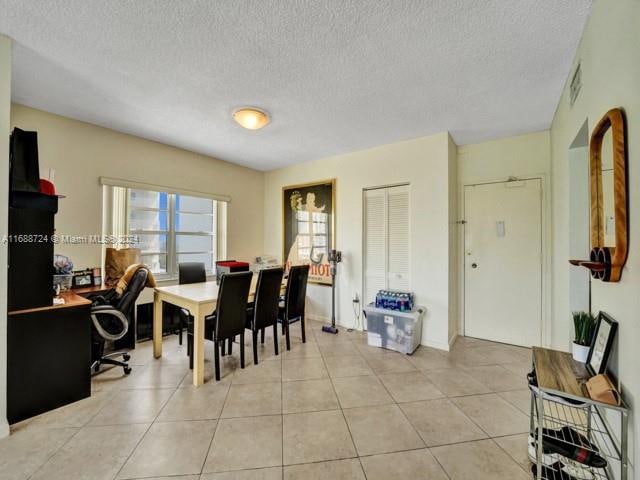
[608, 217]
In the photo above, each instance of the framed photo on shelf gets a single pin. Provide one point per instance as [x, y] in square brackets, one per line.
[308, 227]
[602, 343]
[83, 278]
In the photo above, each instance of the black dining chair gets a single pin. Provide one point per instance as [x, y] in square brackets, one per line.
[189, 272]
[263, 312]
[228, 320]
[293, 308]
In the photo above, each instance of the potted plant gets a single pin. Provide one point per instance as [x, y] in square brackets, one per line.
[584, 324]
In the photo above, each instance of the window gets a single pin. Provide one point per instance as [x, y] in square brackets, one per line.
[171, 228]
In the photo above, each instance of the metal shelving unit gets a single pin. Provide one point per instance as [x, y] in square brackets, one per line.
[587, 438]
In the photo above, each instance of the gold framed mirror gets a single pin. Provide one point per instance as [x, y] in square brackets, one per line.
[608, 197]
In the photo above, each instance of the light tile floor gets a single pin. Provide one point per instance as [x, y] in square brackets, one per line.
[331, 408]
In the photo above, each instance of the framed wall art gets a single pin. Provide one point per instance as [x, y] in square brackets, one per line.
[308, 219]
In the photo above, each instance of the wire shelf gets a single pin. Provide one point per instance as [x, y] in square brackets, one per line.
[572, 470]
[578, 442]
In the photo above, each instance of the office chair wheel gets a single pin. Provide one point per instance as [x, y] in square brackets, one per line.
[126, 357]
[127, 370]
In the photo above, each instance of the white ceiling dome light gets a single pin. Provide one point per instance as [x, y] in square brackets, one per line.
[251, 118]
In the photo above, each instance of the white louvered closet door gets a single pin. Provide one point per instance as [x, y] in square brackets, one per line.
[386, 240]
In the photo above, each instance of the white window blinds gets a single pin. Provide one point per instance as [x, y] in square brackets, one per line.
[170, 228]
[386, 240]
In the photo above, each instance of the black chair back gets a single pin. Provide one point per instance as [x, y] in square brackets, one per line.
[265, 310]
[231, 308]
[296, 291]
[191, 272]
[125, 304]
[128, 298]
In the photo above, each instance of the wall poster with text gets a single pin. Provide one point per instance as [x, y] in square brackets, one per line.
[309, 227]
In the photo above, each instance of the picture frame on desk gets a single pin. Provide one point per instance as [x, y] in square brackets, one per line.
[81, 279]
[601, 344]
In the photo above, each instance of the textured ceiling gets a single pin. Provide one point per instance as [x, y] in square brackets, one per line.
[336, 75]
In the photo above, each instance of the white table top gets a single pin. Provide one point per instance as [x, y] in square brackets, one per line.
[195, 292]
[205, 292]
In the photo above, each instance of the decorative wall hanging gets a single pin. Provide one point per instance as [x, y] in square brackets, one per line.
[308, 215]
[608, 198]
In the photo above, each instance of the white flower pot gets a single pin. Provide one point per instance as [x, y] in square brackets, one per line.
[580, 352]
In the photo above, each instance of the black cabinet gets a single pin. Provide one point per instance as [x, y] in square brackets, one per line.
[31, 227]
[48, 358]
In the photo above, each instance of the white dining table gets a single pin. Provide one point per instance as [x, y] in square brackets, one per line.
[200, 299]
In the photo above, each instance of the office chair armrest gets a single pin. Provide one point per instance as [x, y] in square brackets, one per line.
[109, 310]
[103, 299]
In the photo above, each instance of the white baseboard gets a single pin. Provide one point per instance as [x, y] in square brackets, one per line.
[442, 345]
[439, 345]
[327, 321]
[318, 318]
[4, 428]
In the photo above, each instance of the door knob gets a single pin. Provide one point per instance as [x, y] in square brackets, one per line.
[474, 265]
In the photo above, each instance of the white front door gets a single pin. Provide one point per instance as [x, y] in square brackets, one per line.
[503, 262]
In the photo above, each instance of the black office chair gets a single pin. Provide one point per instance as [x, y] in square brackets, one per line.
[110, 315]
[228, 320]
[294, 300]
[263, 312]
[189, 272]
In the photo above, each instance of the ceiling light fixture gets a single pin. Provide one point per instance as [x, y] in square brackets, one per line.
[251, 118]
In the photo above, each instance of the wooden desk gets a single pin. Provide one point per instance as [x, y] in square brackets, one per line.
[70, 300]
[558, 373]
[92, 290]
[200, 299]
[48, 357]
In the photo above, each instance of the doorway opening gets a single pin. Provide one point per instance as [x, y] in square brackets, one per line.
[579, 220]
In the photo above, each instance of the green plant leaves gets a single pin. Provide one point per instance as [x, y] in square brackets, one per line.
[584, 324]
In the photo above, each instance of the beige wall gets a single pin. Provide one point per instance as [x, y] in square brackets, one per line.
[5, 108]
[452, 162]
[80, 153]
[611, 77]
[520, 156]
[421, 162]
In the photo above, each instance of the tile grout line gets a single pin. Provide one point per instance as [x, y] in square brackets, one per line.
[137, 444]
[110, 394]
[215, 430]
[54, 453]
[402, 412]
[150, 424]
[345, 418]
[78, 429]
[414, 428]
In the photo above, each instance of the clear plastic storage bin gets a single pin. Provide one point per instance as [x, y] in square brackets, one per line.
[399, 331]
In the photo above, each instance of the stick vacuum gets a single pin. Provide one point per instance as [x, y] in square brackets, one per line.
[335, 257]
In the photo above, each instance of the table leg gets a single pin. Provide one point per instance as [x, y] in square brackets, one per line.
[157, 325]
[198, 346]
